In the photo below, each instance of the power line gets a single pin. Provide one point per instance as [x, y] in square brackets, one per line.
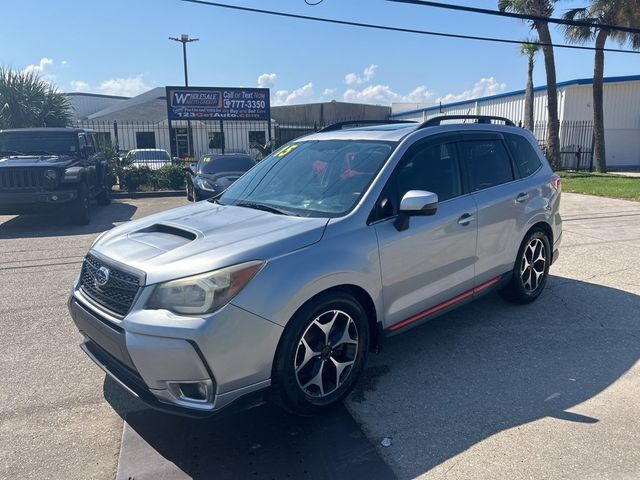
[403, 30]
[520, 16]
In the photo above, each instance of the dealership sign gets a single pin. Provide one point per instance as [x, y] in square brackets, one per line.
[213, 103]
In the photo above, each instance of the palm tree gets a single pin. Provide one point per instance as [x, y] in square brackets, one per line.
[264, 150]
[625, 13]
[543, 8]
[28, 101]
[529, 49]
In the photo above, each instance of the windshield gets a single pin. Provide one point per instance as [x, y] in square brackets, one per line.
[26, 142]
[210, 165]
[148, 155]
[314, 178]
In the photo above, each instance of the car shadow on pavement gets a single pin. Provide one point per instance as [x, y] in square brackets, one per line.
[263, 443]
[492, 366]
[59, 224]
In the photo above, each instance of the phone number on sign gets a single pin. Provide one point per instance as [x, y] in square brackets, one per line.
[244, 103]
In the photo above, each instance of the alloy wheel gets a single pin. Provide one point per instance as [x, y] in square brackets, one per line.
[326, 353]
[533, 265]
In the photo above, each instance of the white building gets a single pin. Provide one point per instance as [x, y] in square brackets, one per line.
[84, 104]
[575, 108]
[141, 122]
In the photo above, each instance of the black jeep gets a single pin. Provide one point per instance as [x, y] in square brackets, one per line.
[44, 169]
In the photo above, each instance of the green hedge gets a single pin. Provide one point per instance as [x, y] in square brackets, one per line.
[169, 177]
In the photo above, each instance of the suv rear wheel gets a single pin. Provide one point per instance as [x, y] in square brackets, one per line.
[531, 270]
[81, 210]
[321, 355]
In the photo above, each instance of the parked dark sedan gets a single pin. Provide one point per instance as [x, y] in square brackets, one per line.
[213, 174]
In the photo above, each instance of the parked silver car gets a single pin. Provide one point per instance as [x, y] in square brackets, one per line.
[284, 283]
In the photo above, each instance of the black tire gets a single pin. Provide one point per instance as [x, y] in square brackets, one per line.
[290, 365]
[81, 209]
[104, 197]
[526, 284]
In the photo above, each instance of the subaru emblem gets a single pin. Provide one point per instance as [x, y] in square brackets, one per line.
[101, 276]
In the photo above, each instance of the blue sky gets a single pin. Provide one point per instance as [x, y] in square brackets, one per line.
[121, 47]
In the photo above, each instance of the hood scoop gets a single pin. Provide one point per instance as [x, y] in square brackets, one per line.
[163, 236]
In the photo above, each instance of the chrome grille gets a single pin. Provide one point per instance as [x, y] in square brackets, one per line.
[117, 295]
[14, 178]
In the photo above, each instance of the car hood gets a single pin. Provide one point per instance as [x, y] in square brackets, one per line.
[35, 161]
[203, 237]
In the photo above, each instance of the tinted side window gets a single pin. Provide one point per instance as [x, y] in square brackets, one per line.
[433, 168]
[527, 159]
[487, 162]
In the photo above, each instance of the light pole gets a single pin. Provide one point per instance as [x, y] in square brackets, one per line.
[184, 39]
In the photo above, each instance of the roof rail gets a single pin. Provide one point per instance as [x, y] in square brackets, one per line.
[339, 126]
[486, 119]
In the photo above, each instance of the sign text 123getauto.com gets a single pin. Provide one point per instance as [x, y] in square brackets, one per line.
[217, 103]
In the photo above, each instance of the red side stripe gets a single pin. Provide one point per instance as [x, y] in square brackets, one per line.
[446, 304]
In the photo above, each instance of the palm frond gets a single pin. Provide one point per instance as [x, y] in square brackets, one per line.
[29, 101]
[578, 34]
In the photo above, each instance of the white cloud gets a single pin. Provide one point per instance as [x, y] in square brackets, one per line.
[420, 94]
[127, 87]
[367, 74]
[327, 92]
[385, 94]
[482, 88]
[286, 97]
[267, 80]
[39, 67]
[63, 62]
[79, 86]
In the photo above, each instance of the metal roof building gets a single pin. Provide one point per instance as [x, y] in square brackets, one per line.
[575, 108]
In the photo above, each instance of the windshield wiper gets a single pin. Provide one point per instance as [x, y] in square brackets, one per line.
[12, 152]
[263, 207]
[44, 152]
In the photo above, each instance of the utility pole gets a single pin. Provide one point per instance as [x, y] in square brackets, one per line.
[184, 39]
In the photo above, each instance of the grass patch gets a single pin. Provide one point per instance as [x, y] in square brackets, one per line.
[601, 184]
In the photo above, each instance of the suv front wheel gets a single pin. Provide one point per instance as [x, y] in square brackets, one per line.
[104, 197]
[81, 209]
[321, 355]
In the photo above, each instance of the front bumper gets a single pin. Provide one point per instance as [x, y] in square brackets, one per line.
[147, 364]
[15, 203]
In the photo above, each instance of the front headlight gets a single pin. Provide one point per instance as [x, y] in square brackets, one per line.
[206, 184]
[204, 293]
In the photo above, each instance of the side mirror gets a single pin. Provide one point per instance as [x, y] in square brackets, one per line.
[415, 203]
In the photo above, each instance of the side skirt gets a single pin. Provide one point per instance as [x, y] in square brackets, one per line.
[448, 305]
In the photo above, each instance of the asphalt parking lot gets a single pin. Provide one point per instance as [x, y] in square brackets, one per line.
[550, 390]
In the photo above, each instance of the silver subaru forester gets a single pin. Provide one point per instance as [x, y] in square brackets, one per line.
[278, 288]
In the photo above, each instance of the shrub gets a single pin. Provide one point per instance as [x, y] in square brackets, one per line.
[168, 177]
[132, 178]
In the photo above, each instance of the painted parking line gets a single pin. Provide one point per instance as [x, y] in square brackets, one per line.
[262, 443]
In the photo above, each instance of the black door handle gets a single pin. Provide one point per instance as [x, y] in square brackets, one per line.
[466, 219]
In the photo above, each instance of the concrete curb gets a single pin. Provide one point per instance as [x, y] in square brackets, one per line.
[158, 194]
